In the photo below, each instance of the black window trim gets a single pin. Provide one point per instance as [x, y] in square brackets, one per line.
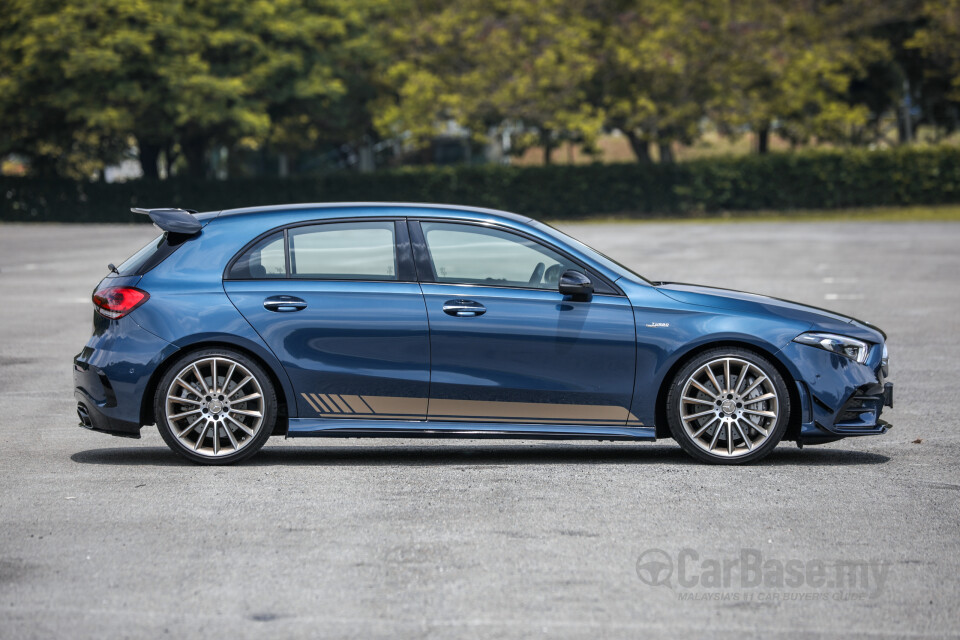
[406, 272]
[425, 266]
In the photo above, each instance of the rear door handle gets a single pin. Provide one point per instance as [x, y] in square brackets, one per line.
[463, 308]
[284, 303]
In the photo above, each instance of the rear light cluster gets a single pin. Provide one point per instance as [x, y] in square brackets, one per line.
[116, 302]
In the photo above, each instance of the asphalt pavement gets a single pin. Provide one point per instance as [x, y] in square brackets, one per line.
[103, 537]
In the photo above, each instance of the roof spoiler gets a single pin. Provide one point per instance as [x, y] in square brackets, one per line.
[180, 221]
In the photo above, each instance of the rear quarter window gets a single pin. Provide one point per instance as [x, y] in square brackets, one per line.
[265, 259]
[155, 252]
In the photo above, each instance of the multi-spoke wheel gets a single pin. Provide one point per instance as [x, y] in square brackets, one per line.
[215, 406]
[728, 405]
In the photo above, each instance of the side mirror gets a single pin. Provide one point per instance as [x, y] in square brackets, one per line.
[573, 283]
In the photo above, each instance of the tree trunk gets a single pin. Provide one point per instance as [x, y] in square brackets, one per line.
[666, 152]
[641, 148]
[763, 139]
[194, 150]
[904, 126]
[149, 160]
[169, 157]
[547, 148]
[43, 166]
[904, 119]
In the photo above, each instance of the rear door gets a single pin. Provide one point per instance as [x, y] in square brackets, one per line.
[338, 303]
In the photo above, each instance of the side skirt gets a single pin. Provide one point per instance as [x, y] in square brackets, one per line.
[359, 428]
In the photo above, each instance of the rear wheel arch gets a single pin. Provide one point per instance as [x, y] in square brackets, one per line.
[663, 428]
[146, 403]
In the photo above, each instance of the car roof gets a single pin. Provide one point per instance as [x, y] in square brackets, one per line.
[373, 209]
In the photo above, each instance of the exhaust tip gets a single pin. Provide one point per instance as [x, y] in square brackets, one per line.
[84, 416]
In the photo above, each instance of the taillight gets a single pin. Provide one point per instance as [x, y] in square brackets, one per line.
[116, 302]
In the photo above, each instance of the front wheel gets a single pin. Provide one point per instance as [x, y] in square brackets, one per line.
[215, 406]
[727, 406]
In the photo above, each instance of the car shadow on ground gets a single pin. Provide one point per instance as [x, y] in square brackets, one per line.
[401, 455]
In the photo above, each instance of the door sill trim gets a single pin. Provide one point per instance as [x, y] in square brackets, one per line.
[360, 428]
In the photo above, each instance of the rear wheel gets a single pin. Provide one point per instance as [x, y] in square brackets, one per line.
[728, 405]
[215, 406]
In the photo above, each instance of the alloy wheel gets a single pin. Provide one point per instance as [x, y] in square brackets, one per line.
[729, 407]
[215, 406]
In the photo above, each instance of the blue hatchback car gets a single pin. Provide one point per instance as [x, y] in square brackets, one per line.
[414, 320]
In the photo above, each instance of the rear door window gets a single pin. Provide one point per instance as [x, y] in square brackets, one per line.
[344, 251]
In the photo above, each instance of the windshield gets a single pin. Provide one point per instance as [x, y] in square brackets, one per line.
[587, 250]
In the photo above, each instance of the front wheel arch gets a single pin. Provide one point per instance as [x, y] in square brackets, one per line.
[660, 411]
[146, 402]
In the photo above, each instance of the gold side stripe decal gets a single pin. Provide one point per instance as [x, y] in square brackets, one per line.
[310, 402]
[323, 405]
[468, 410]
[340, 403]
[357, 404]
[527, 410]
[330, 403]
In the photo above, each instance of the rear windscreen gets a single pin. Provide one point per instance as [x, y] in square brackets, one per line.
[148, 257]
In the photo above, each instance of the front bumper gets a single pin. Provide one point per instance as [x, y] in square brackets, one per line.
[839, 398]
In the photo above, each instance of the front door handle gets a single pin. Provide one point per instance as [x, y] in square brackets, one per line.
[284, 303]
[463, 308]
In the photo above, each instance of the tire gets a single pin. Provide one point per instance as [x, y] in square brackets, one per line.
[742, 420]
[215, 424]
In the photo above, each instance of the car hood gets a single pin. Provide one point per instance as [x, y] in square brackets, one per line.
[740, 301]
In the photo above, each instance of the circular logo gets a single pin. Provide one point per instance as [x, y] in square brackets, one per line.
[215, 406]
[654, 567]
[729, 406]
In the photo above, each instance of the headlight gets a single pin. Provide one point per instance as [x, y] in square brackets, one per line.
[840, 345]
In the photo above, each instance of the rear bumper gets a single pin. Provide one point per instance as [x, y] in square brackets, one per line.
[91, 417]
[111, 376]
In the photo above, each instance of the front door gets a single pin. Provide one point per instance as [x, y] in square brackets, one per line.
[330, 300]
[506, 346]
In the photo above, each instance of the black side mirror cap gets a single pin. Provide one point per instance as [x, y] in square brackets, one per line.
[575, 284]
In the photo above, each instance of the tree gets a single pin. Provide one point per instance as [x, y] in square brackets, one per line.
[57, 86]
[793, 68]
[668, 67]
[657, 68]
[486, 65]
[936, 86]
[937, 40]
[82, 80]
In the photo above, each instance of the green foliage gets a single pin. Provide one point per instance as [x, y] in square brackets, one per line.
[84, 81]
[938, 41]
[790, 65]
[486, 63]
[652, 69]
[662, 63]
[809, 180]
[80, 81]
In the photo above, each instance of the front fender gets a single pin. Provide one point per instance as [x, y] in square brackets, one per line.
[669, 332]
